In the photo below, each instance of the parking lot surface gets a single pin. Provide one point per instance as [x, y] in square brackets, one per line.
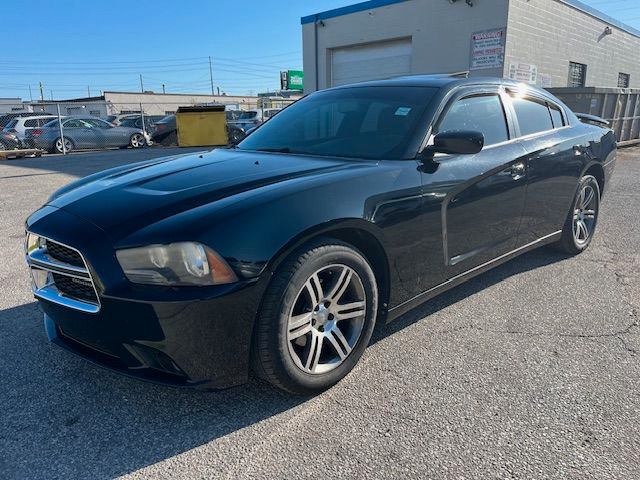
[528, 371]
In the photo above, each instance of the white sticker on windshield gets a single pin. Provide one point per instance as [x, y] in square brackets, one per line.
[403, 111]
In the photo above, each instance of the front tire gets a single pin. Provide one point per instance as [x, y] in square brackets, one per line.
[137, 140]
[580, 225]
[316, 319]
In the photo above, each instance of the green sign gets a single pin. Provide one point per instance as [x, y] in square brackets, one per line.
[295, 80]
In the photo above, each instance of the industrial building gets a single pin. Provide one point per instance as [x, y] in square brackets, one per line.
[551, 43]
[113, 103]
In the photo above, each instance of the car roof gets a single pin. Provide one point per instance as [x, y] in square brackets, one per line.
[447, 81]
[36, 117]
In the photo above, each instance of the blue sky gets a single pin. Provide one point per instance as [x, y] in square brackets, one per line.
[72, 46]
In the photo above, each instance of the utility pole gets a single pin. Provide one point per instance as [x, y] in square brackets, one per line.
[30, 95]
[51, 93]
[89, 91]
[218, 90]
[41, 93]
[141, 85]
[163, 88]
[211, 75]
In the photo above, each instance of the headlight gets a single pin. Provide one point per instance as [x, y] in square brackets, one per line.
[33, 242]
[185, 263]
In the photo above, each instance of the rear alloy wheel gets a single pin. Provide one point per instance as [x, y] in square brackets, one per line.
[581, 221]
[316, 319]
[68, 145]
[137, 140]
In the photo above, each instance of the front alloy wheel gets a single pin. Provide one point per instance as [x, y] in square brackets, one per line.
[316, 319]
[327, 319]
[137, 140]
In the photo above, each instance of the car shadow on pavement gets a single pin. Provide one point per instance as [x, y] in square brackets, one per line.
[529, 261]
[63, 417]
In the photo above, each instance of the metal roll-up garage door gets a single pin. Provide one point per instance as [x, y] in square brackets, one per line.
[371, 61]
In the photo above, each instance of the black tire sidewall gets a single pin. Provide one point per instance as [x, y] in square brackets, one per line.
[290, 376]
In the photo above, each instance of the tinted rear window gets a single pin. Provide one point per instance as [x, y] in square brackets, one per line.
[556, 116]
[533, 116]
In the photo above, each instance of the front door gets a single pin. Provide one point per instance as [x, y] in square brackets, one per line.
[485, 192]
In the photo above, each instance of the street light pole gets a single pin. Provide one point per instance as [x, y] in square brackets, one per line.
[211, 75]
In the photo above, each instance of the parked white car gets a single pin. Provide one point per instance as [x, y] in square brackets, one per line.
[19, 126]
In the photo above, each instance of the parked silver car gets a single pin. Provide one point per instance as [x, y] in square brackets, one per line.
[83, 132]
[19, 126]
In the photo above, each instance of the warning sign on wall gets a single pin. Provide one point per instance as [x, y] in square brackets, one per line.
[523, 72]
[487, 49]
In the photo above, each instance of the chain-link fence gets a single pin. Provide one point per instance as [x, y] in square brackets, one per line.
[66, 126]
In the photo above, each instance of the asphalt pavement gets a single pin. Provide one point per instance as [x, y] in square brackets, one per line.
[529, 371]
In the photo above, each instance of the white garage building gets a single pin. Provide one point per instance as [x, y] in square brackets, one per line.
[552, 43]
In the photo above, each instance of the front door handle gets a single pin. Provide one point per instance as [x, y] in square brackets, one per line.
[517, 171]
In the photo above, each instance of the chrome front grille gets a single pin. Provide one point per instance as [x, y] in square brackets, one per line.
[59, 274]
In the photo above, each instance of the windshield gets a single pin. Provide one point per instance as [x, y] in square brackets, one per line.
[359, 122]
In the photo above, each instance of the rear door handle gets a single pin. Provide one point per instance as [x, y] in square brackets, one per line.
[517, 171]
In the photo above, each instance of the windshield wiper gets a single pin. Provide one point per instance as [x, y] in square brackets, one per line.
[274, 150]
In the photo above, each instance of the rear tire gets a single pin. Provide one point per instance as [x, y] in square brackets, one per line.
[316, 318]
[580, 224]
[57, 145]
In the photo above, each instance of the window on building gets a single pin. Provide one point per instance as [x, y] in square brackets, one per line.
[483, 113]
[533, 116]
[556, 116]
[577, 74]
[623, 80]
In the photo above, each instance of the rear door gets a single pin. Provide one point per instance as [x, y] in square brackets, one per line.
[554, 165]
[79, 132]
[482, 210]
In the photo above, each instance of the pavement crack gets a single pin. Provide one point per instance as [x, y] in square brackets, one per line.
[619, 334]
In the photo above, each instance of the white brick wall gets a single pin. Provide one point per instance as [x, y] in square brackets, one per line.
[545, 33]
[550, 34]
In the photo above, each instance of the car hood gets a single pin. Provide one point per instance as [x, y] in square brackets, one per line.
[137, 195]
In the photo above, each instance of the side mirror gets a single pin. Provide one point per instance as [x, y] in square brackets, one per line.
[463, 142]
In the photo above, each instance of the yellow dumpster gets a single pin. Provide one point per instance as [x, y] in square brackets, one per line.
[201, 126]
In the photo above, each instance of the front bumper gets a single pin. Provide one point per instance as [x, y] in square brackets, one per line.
[192, 337]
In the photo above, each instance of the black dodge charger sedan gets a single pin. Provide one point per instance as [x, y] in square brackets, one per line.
[343, 211]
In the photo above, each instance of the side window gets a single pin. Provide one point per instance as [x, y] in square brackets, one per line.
[30, 123]
[98, 123]
[73, 124]
[556, 116]
[481, 113]
[533, 116]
